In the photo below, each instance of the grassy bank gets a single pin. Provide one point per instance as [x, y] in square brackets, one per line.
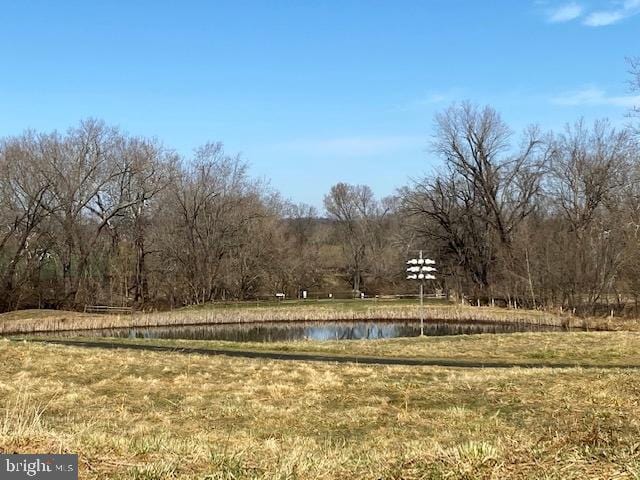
[580, 348]
[145, 415]
[50, 321]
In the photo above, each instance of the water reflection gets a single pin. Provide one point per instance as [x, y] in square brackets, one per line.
[321, 331]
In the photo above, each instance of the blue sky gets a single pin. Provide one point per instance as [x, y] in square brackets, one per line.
[312, 93]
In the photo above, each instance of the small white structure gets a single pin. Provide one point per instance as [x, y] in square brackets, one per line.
[420, 269]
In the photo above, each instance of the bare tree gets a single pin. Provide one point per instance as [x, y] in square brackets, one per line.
[209, 206]
[486, 190]
[634, 71]
[302, 242]
[358, 215]
[23, 192]
[78, 168]
[446, 214]
[144, 170]
[590, 170]
[475, 145]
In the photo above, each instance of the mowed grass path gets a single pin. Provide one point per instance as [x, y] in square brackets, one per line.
[149, 415]
[607, 349]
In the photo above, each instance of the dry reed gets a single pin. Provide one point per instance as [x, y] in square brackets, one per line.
[450, 313]
[22, 417]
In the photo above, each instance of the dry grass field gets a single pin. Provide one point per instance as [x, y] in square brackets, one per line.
[151, 415]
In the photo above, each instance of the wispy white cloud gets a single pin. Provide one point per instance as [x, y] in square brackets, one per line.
[431, 99]
[603, 18]
[435, 98]
[608, 12]
[595, 97]
[565, 13]
[618, 12]
[353, 146]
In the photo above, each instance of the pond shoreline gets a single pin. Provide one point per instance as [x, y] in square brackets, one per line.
[73, 321]
[269, 332]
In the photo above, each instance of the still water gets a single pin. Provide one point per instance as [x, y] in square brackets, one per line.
[291, 331]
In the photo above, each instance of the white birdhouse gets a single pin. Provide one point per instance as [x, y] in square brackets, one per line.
[420, 269]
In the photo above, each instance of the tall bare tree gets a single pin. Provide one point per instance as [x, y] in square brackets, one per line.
[485, 191]
[590, 171]
[144, 170]
[210, 204]
[634, 71]
[23, 192]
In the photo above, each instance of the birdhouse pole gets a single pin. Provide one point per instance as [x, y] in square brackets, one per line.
[421, 269]
[421, 303]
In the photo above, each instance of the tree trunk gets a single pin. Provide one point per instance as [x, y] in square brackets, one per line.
[141, 283]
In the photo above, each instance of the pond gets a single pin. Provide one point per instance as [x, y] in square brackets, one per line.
[291, 331]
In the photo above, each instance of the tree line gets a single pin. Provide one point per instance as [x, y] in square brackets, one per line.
[542, 219]
[96, 216]
[551, 221]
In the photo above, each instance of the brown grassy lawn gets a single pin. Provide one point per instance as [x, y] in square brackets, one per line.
[146, 415]
[42, 314]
